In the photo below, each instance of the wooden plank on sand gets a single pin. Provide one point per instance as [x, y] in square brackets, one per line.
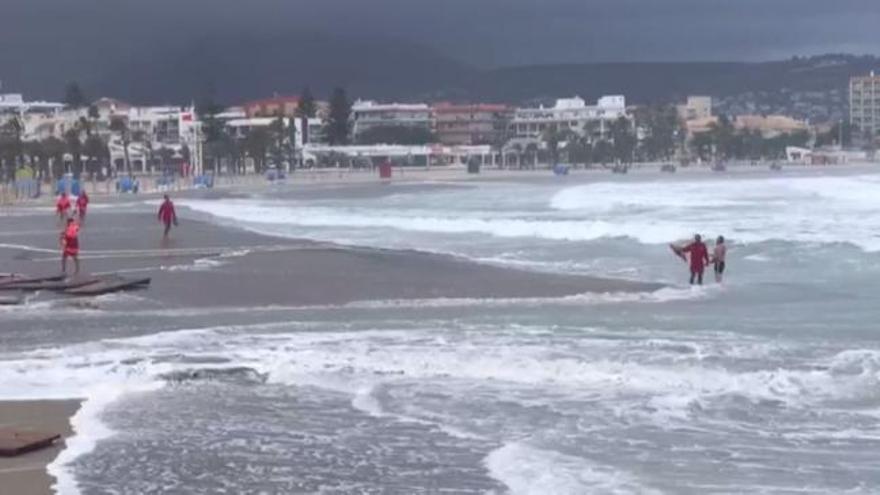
[17, 442]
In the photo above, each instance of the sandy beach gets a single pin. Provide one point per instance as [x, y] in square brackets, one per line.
[26, 474]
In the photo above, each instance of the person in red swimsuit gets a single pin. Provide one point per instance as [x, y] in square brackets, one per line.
[82, 203]
[70, 246]
[167, 215]
[62, 206]
[699, 259]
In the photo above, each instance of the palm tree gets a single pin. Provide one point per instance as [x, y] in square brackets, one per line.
[75, 148]
[532, 151]
[11, 146]
[257, 145]
[623, 139]
[36, 155]
[119, 126]
[54, 149]
[97, 151]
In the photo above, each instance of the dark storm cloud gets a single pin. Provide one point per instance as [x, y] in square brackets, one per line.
[482, 31]
[40, 39]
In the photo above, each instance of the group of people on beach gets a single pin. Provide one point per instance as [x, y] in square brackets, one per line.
[696, 253]
[73, 219]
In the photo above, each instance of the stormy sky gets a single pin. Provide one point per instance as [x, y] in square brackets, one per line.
[42, 39]
[483, 32]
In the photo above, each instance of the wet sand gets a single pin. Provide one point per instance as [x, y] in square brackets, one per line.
[26, 474]
[206, 265]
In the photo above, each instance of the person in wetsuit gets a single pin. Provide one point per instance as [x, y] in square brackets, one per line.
[719, 258]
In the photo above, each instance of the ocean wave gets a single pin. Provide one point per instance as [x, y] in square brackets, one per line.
[806, 209]
[527, 470]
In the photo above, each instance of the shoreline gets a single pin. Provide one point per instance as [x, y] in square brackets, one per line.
[28, 474]
[457, 174]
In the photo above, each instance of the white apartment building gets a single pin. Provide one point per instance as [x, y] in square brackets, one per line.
[571, 114]
[240, 128]
[14, 103]
[369, 115]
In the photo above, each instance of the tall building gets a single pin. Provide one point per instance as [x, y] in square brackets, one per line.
[470, 124]
[864, 103]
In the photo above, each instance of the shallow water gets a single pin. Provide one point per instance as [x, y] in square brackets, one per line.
[769, 384]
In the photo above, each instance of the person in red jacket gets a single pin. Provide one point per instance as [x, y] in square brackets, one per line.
[70, 245]
[167, 214]
[699, 259]
[82, 203]
[62, 206]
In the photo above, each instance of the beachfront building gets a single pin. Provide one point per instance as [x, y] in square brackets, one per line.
[695, 108]
[368, 115]
[162, 126]
[569, 114]
[285, 106]
[15, 104]
[864, 104]
[158, 136]
[770, 126]
[356, 156]
[240, 128]
[471, 124]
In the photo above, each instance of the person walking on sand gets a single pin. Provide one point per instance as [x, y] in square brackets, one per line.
[719, 258]
[62, 206]
[167, 215]
[699, 259]
[70, 246]
[82, 203]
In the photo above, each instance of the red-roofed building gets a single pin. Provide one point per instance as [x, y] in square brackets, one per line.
[470, 124]
[272, 107]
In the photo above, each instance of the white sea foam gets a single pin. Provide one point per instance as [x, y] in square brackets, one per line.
[804, 209]
[360, 362]
[531, 471]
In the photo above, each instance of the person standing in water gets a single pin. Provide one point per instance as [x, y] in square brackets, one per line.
[719, 258]
[699, 259]
[167, 215]
[70, 246]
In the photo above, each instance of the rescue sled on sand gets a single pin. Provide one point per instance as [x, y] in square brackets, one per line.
[106, 285]
[61, 284]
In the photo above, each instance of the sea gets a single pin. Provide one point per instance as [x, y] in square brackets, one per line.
[768, 383]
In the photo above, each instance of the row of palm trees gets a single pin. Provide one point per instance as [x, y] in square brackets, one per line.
[273, 145]
[81, 150]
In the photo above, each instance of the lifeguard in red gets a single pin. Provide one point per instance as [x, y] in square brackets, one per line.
[70, 245]
[167, 214]
[62, 206]
[699, 259]
[82, 203]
